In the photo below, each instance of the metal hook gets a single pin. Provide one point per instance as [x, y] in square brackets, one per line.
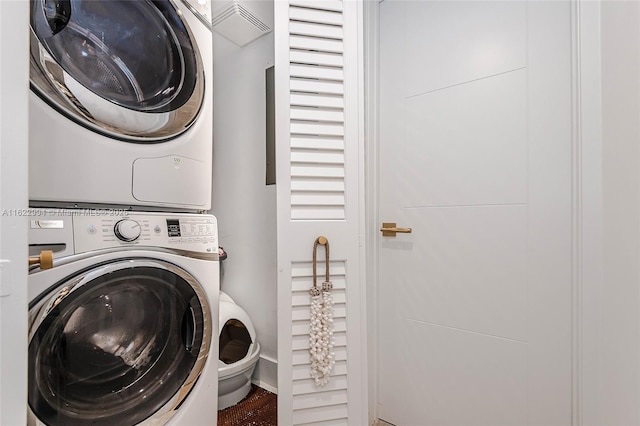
[326, 285]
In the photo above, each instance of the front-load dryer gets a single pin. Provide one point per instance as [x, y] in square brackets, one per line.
[121, 104]
[122, 328]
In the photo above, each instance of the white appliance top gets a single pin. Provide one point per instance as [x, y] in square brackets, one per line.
[68, 232]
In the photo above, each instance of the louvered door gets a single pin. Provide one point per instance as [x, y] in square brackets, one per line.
[319, 151]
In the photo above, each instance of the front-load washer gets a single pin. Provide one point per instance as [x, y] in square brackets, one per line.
[122, 328]
[121, 106]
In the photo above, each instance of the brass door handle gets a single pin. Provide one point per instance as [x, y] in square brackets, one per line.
[390, 230]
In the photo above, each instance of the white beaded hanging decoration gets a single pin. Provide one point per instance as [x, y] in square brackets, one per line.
[321, 339]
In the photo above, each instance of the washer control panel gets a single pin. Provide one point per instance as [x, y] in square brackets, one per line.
[127, 230]
[192, 232]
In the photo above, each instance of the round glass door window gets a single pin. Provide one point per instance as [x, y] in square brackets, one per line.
[115, 345]
[123, 68]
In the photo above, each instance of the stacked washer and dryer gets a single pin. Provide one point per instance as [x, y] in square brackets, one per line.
[124, 283]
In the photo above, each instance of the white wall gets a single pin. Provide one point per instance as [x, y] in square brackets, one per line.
[244, 205]
[14, 90]
[620, 342]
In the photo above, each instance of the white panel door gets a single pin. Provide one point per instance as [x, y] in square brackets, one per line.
[475, 156]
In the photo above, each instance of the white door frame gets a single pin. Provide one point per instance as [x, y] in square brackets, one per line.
[370, 49]
[587, 260]
[14, 95]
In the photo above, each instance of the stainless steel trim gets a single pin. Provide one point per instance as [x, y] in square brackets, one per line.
[212, 257]
[205, 20]
[71, 98]
[69, 205]
[39, 312]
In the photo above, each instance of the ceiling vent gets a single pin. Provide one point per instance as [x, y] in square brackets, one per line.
[238, 23]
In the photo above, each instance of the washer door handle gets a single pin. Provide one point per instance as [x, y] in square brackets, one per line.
[58, 14]
[188, 329]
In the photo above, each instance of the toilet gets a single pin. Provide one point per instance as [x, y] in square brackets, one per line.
[239, 352]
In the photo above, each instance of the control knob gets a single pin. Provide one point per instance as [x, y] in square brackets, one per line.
[127, 230]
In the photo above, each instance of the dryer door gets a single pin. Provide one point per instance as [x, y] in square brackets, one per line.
[117, 345]
[127, 69]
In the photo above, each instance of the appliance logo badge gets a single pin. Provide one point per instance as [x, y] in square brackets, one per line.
[47, 224]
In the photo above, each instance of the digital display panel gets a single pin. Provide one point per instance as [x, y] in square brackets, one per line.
[173, 227]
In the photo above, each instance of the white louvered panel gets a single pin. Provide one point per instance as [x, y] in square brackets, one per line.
[303, 372]
[332, 422]
[302, 312]
[301, 357]
[325, 185]
[317, 86]
[316, 44]
[322, 210]
[309, 213]
[302, 327]
[317, 156]
[319, 399]
[302, 342]
[335, 5]
[315, 30]
[300, 285]
[307, 397]
[317, 171]
[317, 114]
[316, 58]
[337, 268]
[317, 199]
[306, 386]
[306, 213]
[319, 414]
[320, 129]
[317, 142]
[314, 15]
[303, 284]
[299, 298]
[317, 101]
[317, 72]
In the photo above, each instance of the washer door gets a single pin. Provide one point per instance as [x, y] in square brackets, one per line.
[127, 69]
[118, 344]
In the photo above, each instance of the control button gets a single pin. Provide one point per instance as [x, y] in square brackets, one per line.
[157, 229]
[127, 230]
[92, 229]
